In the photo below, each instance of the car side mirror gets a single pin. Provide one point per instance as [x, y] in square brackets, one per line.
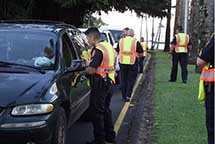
[76, 65]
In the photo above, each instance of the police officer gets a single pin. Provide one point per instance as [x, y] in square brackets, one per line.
[101, 70]
[179, 50]
[141, 59]
[129, 49]
[206, 61]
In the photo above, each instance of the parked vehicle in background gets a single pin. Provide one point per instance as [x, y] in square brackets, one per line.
[42, 89]
[105, 35]
[117, 34]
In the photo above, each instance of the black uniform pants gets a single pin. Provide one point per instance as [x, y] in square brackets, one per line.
[128, 78]
[140, 63]
[209, 107]
[183, 59]
[101, 113]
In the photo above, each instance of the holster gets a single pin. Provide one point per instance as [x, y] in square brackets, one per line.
[97, 82]
[208, 87]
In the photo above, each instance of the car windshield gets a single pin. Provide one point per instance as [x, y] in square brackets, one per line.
[117, 34]
[31, 48]
[103, 36]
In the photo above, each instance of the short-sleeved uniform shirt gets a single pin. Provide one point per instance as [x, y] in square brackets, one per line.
[96, 57]
[208, 52]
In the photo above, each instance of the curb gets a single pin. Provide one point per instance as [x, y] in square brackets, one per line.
[126, 106]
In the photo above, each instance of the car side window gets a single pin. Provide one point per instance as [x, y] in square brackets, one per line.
[68, 51]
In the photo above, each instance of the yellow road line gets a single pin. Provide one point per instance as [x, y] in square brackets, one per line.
[122, 114]
[125, 107]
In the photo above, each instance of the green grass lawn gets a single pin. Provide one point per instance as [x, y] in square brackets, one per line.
[179, 117]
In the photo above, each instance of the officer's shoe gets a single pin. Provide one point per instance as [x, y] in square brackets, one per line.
[184, 81]
[127, 99]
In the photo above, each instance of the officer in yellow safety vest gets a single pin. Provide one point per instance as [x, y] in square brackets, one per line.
[129, 50]
[179, 49]
[206, 91]
[141, 59]
[102, 76]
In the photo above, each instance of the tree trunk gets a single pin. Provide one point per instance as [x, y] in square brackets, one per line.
[179, 14]
[209, 21]
[167, 38]
[194, 30]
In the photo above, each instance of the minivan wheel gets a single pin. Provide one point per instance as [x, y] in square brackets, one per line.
[59, 134]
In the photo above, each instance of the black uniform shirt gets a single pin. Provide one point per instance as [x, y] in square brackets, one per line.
[208, 52]
[96, 58]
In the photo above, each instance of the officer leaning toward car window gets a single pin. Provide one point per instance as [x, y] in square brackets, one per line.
[129, 50]
[101, 71]
[206, 61]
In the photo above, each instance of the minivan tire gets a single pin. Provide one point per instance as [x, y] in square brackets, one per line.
[59, 134]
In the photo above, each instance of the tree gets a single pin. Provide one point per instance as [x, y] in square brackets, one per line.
[209, 21]
[73, 11]
[167, 38]
[16, 9]
[91, 21]
[194, 27]
[179, 14]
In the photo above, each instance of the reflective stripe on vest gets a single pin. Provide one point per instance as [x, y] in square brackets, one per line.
[144, 46]
[127, 50]
[208, 74]
[182, 40]
[107, 64]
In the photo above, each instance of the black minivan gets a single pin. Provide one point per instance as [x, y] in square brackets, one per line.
[42, 88]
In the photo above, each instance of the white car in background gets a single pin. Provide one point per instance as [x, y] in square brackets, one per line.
[105, 35]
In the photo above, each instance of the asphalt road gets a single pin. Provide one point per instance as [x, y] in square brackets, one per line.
[82, 131]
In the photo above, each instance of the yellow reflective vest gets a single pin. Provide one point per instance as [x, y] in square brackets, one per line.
[127, 50]
[144, 46]
[107, 65]
[182, 40]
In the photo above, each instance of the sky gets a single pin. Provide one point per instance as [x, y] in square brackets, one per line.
[117, 20]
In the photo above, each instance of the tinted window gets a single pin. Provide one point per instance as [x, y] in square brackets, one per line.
[104, 36]
[28, 47]
[117, 34]
[67, 54]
